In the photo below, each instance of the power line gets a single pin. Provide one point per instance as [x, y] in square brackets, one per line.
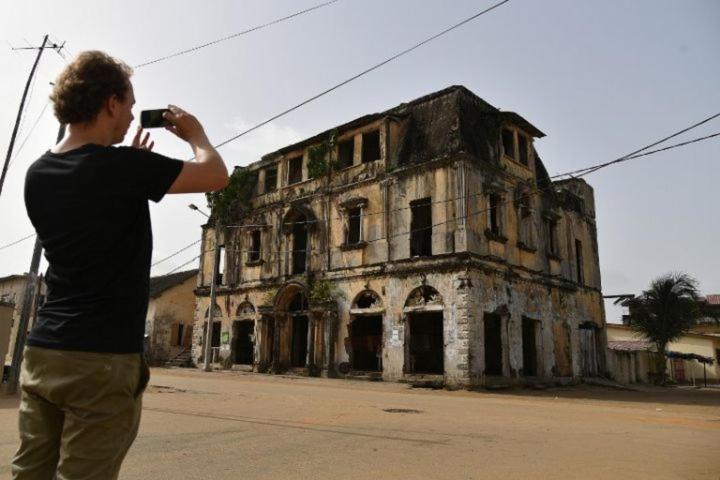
[586, 171]
[363, 73]
[535, 191]
[682, 144]
[176, 253]
[16, 242]
[184, 264]
[235, 35]
[32, 129]
[621, 159]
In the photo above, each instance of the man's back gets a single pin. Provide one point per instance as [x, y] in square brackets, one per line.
[89, 208]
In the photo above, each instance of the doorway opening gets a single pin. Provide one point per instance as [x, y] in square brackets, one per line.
[244, 344]
[529, 347]
[366, 342]
[426, 343]
[493, 344]
[299, 346]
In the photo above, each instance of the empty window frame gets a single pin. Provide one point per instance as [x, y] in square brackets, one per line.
[346, 150]
[371, 146]
[494, 213]
[526, 223]
[255, 246]
[579, 262]
[552, 236]
[270, 179]
[295, 174]
[353, 232]
[421, 227]
[220, 265]
[523, 149]
[508, 142]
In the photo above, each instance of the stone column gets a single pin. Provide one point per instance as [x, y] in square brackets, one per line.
[310, 366]
[330, 324]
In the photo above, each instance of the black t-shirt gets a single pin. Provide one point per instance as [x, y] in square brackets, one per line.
[89, 207]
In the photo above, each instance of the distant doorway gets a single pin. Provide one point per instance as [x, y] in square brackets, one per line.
[426, 343]
[244, 345]
[493, 344]
[299, 346]
[366, 342]
[529, 347]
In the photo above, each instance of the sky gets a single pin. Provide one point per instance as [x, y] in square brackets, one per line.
[601, 79]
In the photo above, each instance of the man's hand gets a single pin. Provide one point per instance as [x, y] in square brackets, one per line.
[185, 126]
[142, 144]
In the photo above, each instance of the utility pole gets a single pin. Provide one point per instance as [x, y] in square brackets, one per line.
[207, 366]
[29, 307]
[40, 50]
[207, 363]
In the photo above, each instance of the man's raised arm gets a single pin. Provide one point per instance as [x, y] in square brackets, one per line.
[208, 172]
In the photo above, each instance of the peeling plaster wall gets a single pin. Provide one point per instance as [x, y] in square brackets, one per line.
[12, 290]
[172, 307]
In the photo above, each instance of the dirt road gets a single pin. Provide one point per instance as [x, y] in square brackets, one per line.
[229, 425]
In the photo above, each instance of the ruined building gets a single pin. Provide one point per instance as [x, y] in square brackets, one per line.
[423, 242]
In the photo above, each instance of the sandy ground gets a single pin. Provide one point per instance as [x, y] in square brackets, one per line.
[229, 425]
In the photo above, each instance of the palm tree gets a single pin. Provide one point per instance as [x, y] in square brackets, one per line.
[664, 312]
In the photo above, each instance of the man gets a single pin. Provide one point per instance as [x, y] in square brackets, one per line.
[83, 374]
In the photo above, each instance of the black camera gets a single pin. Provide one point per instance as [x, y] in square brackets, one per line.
[153, 118]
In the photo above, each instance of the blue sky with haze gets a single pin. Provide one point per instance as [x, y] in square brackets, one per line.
[600, 78]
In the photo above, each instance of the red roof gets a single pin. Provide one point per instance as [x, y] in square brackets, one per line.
[713, 299]
[629, 345]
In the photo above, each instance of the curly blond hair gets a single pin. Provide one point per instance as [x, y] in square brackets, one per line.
[83, 86]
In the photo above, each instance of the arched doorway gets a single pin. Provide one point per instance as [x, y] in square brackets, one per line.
[365, 332]
[243, 335]
[298, 314]
[424, 338]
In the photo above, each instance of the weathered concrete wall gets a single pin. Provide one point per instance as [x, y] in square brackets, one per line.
[173, 307]
[6, 322]
[12, 290]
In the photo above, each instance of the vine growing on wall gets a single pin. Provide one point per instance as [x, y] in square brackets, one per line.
[319, 157]
[323, 291]
[233, 200]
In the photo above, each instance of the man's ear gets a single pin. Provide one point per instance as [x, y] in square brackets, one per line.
[112, 105]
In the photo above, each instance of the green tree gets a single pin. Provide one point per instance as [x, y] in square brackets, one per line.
[664, 312]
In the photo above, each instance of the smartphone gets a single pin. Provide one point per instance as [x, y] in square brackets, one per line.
[153, 118]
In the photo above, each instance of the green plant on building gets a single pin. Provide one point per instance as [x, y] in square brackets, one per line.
[324, 291]
[232, 201]
[319, 157]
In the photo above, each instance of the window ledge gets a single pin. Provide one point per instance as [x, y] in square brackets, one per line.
[497, 237]
[554, 256]
[254, 263]
[526, 247]
[353, 246]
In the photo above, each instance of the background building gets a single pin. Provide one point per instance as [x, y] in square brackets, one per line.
[12, 293]
[169, 321]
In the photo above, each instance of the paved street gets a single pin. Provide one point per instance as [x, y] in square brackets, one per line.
[231, 425]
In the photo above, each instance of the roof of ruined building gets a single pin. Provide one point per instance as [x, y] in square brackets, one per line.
[160, 284]
[445, 122]
[11, 277]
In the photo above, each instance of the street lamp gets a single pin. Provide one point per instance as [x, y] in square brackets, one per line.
[207, 365]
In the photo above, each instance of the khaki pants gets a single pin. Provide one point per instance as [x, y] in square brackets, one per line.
[79, 413]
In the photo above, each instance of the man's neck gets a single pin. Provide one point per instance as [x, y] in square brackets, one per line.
[82, 134]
